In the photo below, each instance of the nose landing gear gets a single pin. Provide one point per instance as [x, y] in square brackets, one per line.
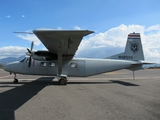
[15, 79]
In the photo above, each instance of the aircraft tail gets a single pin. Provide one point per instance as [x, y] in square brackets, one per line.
[133, 50]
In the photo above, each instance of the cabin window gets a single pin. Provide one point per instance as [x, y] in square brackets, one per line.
[51, 64]
[43, 64]
[74, 65]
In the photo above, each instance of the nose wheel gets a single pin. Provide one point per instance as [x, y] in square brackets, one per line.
[15, 79]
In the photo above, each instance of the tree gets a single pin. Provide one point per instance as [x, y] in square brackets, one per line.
[1, 66]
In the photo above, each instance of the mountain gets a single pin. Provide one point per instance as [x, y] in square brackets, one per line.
[151, 66]
[4, 61]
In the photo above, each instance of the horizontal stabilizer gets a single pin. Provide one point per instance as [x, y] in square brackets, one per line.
[142, 63]
[138, 65]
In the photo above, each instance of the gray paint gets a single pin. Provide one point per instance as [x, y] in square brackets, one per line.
[85, 67]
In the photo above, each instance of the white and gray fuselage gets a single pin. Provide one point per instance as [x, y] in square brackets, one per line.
[79, 67]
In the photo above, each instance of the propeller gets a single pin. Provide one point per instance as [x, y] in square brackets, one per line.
[29, 63]
[29, 53]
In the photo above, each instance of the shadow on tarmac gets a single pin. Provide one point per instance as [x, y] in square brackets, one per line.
[12, 99]
[123, 83]
[110, 82]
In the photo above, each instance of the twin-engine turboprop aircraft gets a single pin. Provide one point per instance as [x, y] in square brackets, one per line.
[58, 60]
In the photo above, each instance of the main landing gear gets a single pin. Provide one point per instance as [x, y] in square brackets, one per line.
[62, 80]
[15, 79]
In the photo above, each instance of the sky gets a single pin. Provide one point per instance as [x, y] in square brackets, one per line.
[112, 21]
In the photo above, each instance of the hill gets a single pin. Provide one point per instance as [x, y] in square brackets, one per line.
[4, 61]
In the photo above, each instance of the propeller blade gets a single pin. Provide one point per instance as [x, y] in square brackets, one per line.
[32, 44]
[29, 63]
[29, 53]
[29, 50]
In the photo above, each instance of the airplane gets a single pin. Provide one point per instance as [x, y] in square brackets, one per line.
[59, 60]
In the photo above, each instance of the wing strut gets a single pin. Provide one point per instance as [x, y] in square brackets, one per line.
[60, 59]
[59, 63]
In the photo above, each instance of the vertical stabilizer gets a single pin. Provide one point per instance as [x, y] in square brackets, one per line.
[133, 50]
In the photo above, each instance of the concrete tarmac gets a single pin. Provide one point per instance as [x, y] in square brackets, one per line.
[108, 96]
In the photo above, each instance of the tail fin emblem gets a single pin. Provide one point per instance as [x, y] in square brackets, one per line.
[134, 47]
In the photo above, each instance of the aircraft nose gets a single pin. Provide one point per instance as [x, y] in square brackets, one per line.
[13, 67]
[8, 68]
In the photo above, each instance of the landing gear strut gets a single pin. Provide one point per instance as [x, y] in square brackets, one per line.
[133, 75]
[15, 79]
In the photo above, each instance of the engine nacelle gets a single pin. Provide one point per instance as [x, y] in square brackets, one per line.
[44, 56]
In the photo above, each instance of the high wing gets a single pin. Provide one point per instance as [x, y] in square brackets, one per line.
[61, 42]
[65, 42]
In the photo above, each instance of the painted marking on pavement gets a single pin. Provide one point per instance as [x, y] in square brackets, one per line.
[5, 76]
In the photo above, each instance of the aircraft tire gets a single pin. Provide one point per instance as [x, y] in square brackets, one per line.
[62, 81]
[15, 81]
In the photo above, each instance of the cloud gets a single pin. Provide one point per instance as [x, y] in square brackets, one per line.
[8, 16]
[12, 51]
[23, 16]
[76, 28]
[30, 37]
[113, 41]
[153, 28]
[59, 28]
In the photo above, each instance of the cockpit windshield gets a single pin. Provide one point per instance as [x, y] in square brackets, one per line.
[26, 59]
